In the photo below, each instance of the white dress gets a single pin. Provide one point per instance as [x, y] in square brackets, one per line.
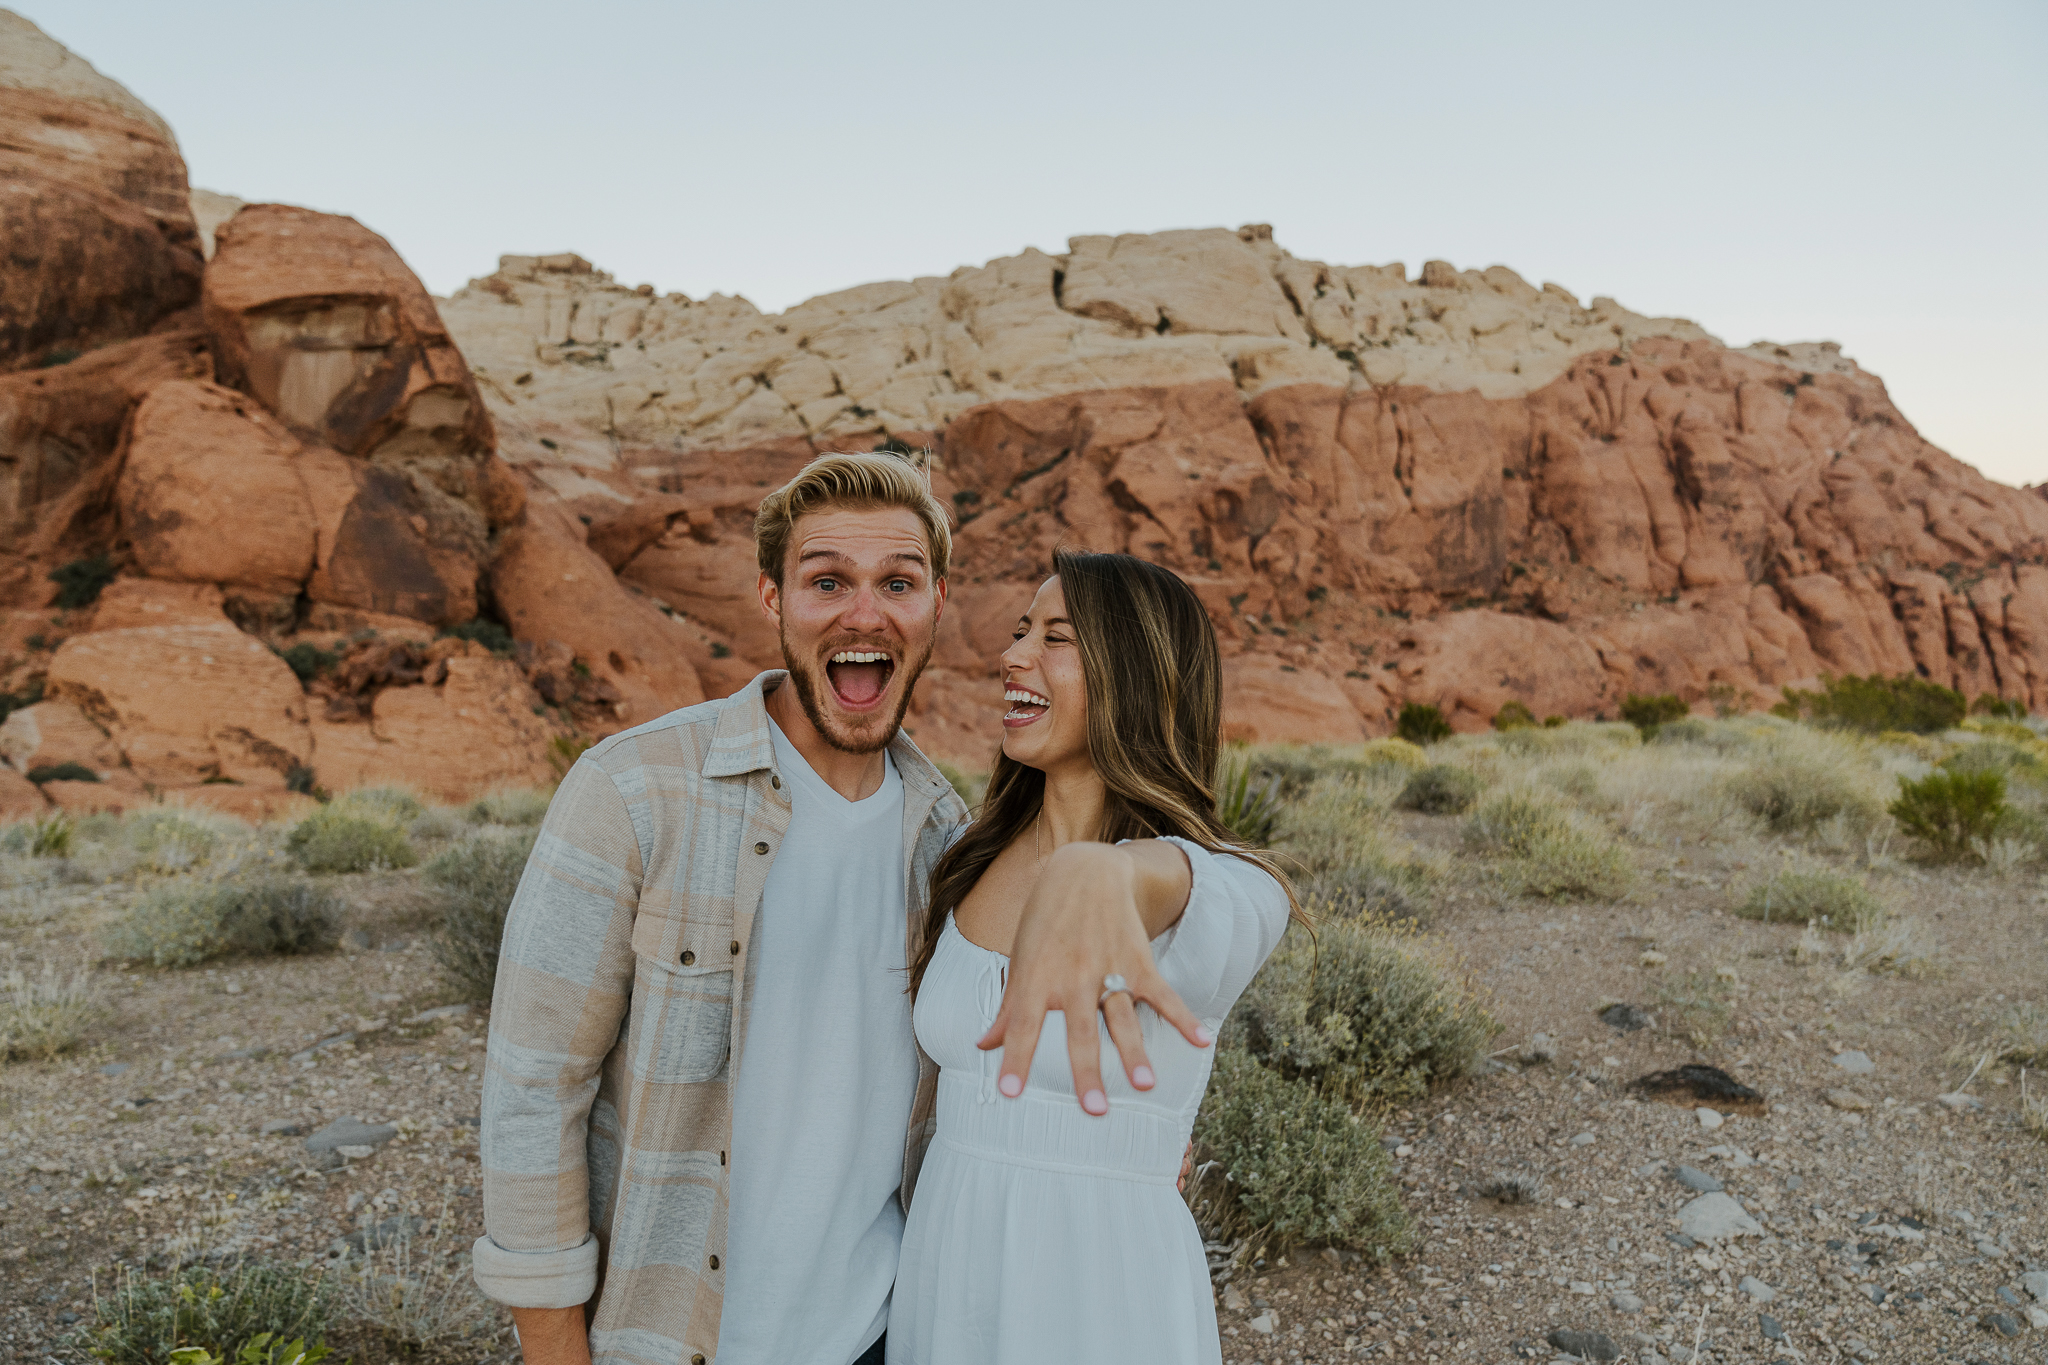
[1036, 1233]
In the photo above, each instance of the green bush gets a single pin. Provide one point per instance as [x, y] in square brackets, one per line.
[1952, 813]
[1364, 1009]
[1301, 1165]
[394, 806]
[183, 923]
[1991, 704]
[1249, 809]
[1648, 713]
[1514, 716]
[62, 772]
[489, 634]
[1873, 705]
[338, 839]
[477, 880]
[1439, 790]
[219, 1310]
[1419, 723]
[1832, 900]
[307, 660]
[513, 806]
[49, 836]
[80, 582]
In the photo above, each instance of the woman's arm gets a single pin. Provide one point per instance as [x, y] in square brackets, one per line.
[1094, 913]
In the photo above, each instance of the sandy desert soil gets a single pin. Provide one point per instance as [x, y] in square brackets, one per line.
[150, 1138]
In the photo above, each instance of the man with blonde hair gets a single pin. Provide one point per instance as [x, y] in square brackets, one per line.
[704, 1108]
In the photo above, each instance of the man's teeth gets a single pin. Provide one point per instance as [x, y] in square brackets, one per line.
[860, 656]
[1028, 698]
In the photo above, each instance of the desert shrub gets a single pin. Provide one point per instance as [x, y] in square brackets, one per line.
[1513, 716]
[1514, 1187]
[414, 1293]
[1247, 806]
[517, 806]
[80, 582]
[1337, 824]
[1420, 723]
[1832, 900]
[1990, 704]
[62, 772]
[1365, 1009]
[49, 836]
[1685, 730]
[1874, 704]
[220, 1310]
[1799, 781]
[45, 1013]
[1301, 1165]
[489, 634]
[2000, 755]
[1378, 882]
[1439, 790]
[1393, 751]
[394, 806]
[1513, 819]
[182, 923]
[477, 879]
[1952, 813]
[1648, 713]
[1580, 862]
[307, 660]
[338, 839]
[169, 840]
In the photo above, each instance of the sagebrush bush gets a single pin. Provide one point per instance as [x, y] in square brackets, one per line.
[1647, 714]
[182, 923]
[216, 1309]
[45, 1013]
[1873, 705]
[1581, 862]
[1953, 813]
[1795, 782]
[1514, 716]
[1301, 1165]
[518, 806]
[1366, 1009]
[476, 879]
[1395, 751]
[1512, 820]
[1420, 723]
[1439, 790]
[169, 840]
[338, 839]
[394, 806]
[1832, 900]
[1378, 882]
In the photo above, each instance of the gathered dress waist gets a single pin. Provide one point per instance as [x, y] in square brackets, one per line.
[1048, 1132]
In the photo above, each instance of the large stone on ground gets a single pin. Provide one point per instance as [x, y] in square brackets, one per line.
[350, 1132]
[473, 732]
[322, 321]
[93, 205]
[1717, 1217]
[550, 585]
[187, 701]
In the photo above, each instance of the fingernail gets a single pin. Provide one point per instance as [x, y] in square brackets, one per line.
[1203, 1036]
[1095, 1102]
[1011, 1084]
[1142, 1078]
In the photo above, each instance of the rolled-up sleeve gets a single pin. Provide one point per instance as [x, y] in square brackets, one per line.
[565, 975]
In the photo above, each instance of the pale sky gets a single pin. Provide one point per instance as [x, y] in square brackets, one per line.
[1870, 173]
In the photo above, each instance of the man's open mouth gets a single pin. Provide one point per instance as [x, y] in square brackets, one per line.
[1025, 705]
[859, 677]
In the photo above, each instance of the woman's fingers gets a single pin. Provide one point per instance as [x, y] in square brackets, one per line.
[1018, 1039]
[1122, 1018]
[1084, 1055]
[1153, 990]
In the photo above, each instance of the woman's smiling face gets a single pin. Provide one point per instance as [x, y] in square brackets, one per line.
[1045, 721]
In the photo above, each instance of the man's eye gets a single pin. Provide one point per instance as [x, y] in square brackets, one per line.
[826, 584]
[899, 585]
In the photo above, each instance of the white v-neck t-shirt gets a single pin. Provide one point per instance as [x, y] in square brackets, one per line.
[826, 1084]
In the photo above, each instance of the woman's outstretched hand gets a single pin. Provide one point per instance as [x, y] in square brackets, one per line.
[1093, 914]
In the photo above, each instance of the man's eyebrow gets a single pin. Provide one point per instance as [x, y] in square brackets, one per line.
[912, 556]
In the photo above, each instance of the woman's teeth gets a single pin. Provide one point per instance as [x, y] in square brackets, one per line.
[1025, 705]
[1028, 698]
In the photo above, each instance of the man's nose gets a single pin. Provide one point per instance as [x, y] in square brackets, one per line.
[863, 611]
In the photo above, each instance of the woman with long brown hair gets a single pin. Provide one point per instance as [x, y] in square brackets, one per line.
[1040, 1231]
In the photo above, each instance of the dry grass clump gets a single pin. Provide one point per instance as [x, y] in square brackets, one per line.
[341, 837]
[415, 1294]
[1513, 1187]
[1296, 1165]
[1830, 900]
[186, 922]
[1796, 779]
[1365, 1010]
[45, 1013]
[1550, 850]
[1439, 790]
[477, 879]
[523, 806]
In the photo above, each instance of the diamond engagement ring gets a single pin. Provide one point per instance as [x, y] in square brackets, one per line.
[1112, 985]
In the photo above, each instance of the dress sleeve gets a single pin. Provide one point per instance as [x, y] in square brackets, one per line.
[1236, 914]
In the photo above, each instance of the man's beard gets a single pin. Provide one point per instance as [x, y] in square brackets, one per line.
[828, 727]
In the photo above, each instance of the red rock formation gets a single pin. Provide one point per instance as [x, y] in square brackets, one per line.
[101, 245]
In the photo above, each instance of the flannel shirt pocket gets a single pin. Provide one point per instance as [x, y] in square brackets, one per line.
[688, 1031]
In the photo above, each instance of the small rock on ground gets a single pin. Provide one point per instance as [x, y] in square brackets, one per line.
[1585, 1345]
[1855, 1063]
[1772, 1329]
[2035, 1282]
[1624, 1302]
[1626, 1018]
[1715, 1218]
[282, 1128]
[1757, 1289]
[1710, 1119]
[1848, 1100]
[1698, 1181]
[350, 1132]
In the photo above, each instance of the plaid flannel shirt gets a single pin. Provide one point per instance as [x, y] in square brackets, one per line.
[619, 1024]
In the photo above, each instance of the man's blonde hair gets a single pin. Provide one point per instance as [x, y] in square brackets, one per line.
[872, 479]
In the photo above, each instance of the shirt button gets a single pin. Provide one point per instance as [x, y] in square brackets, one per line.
[688, 958]
[697, 1359]
[761, 847]
[714, 1263]
[776, 781]
[735, 947]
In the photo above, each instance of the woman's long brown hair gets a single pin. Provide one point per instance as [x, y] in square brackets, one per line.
[1154, 682]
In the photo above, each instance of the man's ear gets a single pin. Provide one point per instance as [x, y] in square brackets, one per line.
[771, 599]
[939, 606]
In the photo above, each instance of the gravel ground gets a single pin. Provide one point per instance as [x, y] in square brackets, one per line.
[1899, 1231]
